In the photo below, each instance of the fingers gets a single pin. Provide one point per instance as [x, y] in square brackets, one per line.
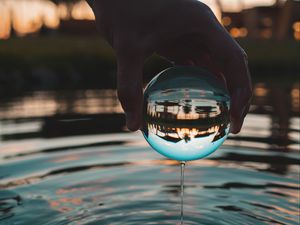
[233, 64]
[240, 88]
[240, 96]
[240, 103]
[130, 89]
[239, 85]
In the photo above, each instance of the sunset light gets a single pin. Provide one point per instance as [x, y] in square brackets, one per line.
[29, 16]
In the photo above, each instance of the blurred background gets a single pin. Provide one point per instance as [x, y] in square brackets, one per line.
[55, 67]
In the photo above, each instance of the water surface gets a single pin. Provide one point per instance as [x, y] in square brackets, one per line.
[52, 177]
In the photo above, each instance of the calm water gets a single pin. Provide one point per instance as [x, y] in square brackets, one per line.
[49, 176]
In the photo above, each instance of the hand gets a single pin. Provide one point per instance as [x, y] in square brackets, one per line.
[183, 31]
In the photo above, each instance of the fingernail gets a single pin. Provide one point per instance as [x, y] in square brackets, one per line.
[235, 126]
[129, 119]
[131, 122]
[230, 129]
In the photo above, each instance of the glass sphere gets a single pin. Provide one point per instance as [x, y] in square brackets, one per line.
[185, 113]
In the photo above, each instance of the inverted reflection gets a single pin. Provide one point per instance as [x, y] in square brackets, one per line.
[186, 113]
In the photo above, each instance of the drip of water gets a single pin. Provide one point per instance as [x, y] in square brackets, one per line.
[182, 166]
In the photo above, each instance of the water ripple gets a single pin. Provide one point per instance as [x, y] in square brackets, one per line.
[125, 183]
[8, 201]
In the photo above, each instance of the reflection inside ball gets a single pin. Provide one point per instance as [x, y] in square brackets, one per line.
[186, 113]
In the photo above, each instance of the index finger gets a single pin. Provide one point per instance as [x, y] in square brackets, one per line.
[233, 62]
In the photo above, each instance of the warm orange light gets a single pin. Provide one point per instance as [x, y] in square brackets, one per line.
[82, 11]
[295, 97]
[184, 116]
[296, 26]
[260, 90]
[184, 133]
[243, 32]
[297, 35]
[4, 24]
[239, 32]
[267, 21]
[29, 16]
[295, 93]
[266, 33]
[226, 21]
[235, 32]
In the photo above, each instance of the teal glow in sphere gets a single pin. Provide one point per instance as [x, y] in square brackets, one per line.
[185, 113]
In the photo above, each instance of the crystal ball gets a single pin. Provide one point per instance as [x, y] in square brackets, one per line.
[185, 113]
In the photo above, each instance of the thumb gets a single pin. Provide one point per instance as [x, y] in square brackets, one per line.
[130, 88]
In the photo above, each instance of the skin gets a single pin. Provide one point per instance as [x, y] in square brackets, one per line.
[183, 31]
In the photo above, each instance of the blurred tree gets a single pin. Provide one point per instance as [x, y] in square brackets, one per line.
[279, 2]
[284, 19]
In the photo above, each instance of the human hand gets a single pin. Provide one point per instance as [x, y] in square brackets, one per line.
[183, 31]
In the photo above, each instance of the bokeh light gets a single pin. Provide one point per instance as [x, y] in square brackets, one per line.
[29, 16]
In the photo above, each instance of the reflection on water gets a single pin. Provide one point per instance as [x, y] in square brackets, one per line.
[47, 103]
[118, 179]
[52, 114]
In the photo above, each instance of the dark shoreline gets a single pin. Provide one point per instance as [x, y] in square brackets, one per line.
[74, 63]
